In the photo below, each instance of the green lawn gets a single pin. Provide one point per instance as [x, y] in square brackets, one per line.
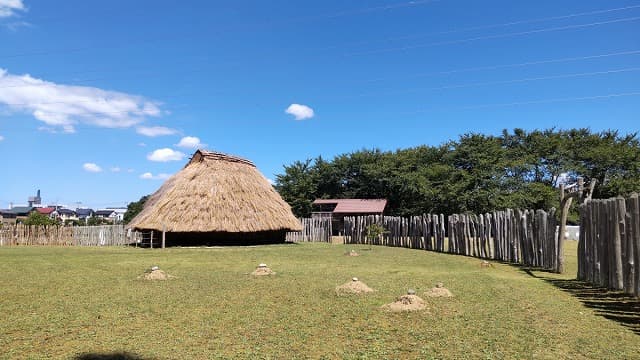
[60, 302]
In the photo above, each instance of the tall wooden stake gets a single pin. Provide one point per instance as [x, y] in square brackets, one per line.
[163, 235]
[565, 204]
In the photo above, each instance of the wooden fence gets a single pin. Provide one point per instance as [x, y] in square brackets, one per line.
[313, 230]
[609, 245]
[106, 235]
[521, 237]
[524, 237]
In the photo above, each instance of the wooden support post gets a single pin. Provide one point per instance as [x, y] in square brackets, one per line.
[151, 240]
[618, 210]
[635, 230]
[163, 236]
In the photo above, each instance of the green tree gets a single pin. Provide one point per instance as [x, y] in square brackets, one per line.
[475, 173]
[134, 209]
[94, 221]
[298, 186]
[35, 218]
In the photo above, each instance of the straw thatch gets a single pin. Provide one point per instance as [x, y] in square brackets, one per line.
[217, 194]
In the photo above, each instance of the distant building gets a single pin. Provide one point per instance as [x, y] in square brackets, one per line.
[47, 211]
[35, 200]
[84, 213]
[15, 214]
[337, 209]
[66, 215]
[119, 213]
[107, 214]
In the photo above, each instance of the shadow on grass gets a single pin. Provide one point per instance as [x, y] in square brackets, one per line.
[613, 305]
[108, 356]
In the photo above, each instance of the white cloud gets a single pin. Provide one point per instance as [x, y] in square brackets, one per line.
[150, 176]
[130, 170]
[91, 167]
[190, 142]
[1, 137]
[115, 169]
[165, 154]
[63, 107]
[153, 131]
[141, 144]
[301, 112]
[8, 8]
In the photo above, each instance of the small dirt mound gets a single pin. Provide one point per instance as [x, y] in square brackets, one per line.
[155, 274]
[352, 253]
[354, 286]
[486, 264]
[407, 302]
[438, 291]
[262, 270]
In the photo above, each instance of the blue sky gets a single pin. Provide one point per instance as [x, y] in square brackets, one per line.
[101, 100]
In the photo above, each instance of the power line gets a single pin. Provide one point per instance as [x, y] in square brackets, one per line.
[297, 19]
[445, 87]
[502, 82]
[522, 64]
[374, 9]
[512, 23]
[497, 36]
[445, 72]
[532, 102]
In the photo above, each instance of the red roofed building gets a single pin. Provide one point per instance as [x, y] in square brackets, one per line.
[337, 209]
[45, 210]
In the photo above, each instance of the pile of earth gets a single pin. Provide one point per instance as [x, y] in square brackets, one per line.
[262, 270]
[409, 302]
[354, 286]
[438, 291]
[155, 274]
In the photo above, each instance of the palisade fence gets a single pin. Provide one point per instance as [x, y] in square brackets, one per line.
[609, 245]
[313, 230]
[522, 237]
[104, 235]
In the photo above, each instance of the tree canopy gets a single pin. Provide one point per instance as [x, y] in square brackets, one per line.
[134, 208]
[475, 173]
[35, 218]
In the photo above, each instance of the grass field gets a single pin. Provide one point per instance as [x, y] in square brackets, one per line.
[62, 302]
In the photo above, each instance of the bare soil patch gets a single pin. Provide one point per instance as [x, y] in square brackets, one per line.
[438, 291]
[262, 270]
[155, 274]
[354, 286]
[406, 303]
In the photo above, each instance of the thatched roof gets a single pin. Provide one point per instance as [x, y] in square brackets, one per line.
[216, 192]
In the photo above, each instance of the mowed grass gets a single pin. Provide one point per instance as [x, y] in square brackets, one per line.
[60, 302]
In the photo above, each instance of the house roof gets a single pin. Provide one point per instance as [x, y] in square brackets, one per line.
[84, 212]
[63, 211]
[19, 210]
[45, 210]
[220, 193]
[104, 212]
[354, 206]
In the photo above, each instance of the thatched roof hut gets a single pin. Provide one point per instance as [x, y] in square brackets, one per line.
[217, 199]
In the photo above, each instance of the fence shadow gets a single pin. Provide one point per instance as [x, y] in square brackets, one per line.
[613, 305]
[108, 356]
